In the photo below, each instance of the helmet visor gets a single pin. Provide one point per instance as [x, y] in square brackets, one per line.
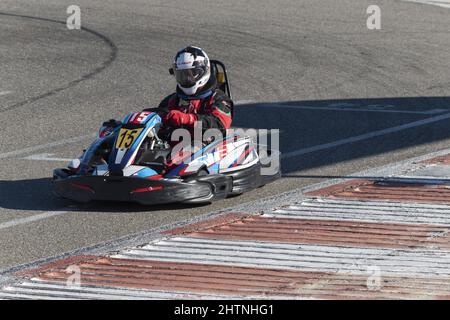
[188, 77]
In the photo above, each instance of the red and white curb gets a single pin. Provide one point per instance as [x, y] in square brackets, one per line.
[365, 238]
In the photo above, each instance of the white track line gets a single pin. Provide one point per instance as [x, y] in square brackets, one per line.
[365, 136]
[284, 156]
[4, 93]
[357, 138]
[20, 152]
[45, 157]
[429, 112]
[440, 3]
[36, 217]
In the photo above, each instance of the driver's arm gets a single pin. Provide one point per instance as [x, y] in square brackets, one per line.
[219, 115]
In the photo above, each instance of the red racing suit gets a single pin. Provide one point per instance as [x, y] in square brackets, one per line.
[213, 108]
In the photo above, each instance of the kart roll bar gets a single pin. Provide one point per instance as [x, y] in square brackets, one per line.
[222, 77]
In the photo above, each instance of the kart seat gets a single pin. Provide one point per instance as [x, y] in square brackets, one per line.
[220, 71]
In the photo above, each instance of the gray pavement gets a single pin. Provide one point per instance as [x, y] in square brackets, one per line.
[345, 98]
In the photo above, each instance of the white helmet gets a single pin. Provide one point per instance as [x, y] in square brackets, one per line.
[192, 69]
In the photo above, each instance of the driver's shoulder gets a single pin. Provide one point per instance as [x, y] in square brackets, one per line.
[169, 100]
[219, 95]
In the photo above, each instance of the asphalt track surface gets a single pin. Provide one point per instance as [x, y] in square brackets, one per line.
[345, 98]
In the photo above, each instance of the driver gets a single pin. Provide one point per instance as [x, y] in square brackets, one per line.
[197, 97]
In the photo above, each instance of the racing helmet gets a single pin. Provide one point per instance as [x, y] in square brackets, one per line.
[192, 69]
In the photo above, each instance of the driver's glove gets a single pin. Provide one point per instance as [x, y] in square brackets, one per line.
[177, 118]
[108, 127]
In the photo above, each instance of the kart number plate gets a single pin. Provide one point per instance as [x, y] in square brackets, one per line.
[127, 137]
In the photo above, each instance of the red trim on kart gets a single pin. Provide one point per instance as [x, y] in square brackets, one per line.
[82, 187]
[243, 156]
[147, 189]
[155, 177]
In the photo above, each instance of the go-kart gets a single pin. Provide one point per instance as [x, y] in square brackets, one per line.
[132, 163]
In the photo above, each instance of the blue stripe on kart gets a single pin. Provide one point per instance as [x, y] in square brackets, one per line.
[146, 172]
